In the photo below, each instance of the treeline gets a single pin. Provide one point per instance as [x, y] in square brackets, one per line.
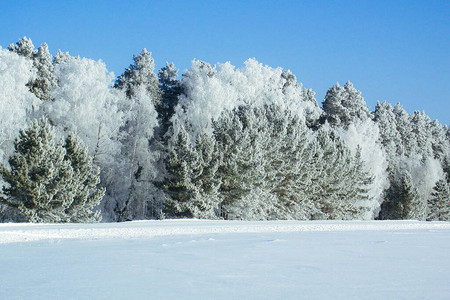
[78, 145]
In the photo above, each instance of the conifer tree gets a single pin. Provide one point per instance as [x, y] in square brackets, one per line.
[191, 185]
[343, 105]
[141, 73]
[86, 181]
[42, 61]
[47, 184]
[439, 203]
[402, 200]
[389, 135]
[170, 88]
[24, 47]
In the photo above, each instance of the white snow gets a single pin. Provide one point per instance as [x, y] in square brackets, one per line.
[197, 259]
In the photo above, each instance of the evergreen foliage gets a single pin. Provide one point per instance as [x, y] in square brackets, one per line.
[343, 105]
[42, 61]
[261, 163]
[51, 183]
[439, 204]
[244, 143]
[402, 200]
[141, 73]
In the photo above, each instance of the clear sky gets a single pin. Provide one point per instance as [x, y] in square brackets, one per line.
[398, 51]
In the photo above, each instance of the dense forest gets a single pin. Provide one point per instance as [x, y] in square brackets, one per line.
[219, 142]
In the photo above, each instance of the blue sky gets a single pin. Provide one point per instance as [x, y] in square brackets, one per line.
[398, 51]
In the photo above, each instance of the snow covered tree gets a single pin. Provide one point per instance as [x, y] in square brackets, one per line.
[141, 147]
[85, 181]
[439, 143]
[45, 79]
[341, 183]
[439, 204]
[402, 200]
[422, 136]
[61, 58]
[141, 73]
[191, 185]
[171, 88]
[389, 136]
[18, 104]
[48, 184]
[404, 127]
[141, 154]
[83, 102]
[363, 136]
[42, 61]
[342, 105]
[24, 47]
[244, 136]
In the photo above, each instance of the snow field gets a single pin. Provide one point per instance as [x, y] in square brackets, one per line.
[196, 259]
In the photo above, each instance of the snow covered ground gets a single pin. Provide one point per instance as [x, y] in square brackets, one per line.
[194, 259]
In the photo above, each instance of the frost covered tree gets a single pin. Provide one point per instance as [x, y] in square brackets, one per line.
[18, 104]
[48, 182]
[402, 200]
[389, 136]
[422, 135]
[141, 73]
[24, 47]
[85, 182]
[61, 58]
[141, 155]
[45, 80]
[342, 105]
[247, 141]
[439, 204]
[342, 184]
[191, 186]
[404, 127]
[42, 61]
[170, 88]
[83, 102]
[362, 138]
[140, 147]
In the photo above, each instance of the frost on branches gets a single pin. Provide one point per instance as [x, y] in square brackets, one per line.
[49, 182]
[222, 142]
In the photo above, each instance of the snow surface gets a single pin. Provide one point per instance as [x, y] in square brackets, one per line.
[196, 259]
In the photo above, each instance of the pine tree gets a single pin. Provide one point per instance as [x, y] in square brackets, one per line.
[171, 88]
[402, 200]
[45, 79]
[24, 47]
[243, 136]
[86, 181]
[40, 178]
[343, 105]
[61, 58]
[191, 185]
[341, 184]
[42, 61]
[389, 135]
[404, 127]
[48, 184]
[439, 204]
[141, 73]
[421, 129]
